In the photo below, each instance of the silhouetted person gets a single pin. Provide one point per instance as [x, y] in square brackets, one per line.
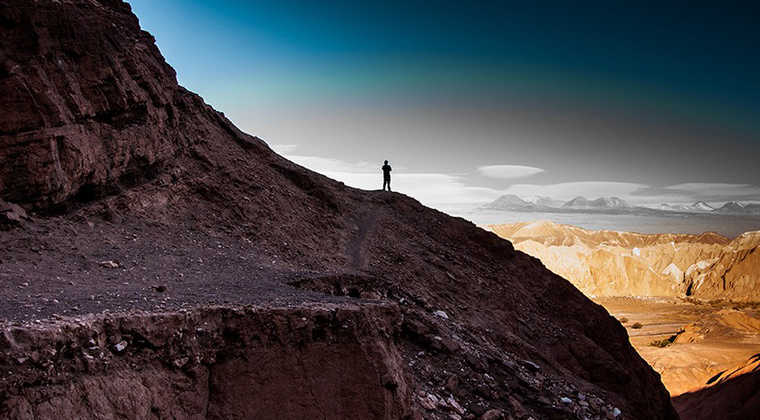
[386, 176]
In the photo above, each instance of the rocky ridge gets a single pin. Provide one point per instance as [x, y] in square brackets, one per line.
[149, 240]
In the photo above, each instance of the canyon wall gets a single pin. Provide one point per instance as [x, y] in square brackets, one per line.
[609, 263]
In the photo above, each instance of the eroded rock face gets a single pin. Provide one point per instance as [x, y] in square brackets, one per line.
[734, 273]
[607, 263]
[191, 212]
[310, 362]
[89, 104]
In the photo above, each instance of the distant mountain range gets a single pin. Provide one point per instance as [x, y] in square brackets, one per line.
[699, 206]
[616, 205]
[734, 207]
[599, 203]
[512, 202]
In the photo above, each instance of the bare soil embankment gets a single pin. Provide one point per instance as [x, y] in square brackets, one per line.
[312, 361]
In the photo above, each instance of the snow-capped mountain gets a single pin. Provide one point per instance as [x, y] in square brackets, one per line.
[735, 207]
[510, 202]
[543, 201]
[732, 206]
[599, 203]
[698, 207]
[701, 205]
[615, 205]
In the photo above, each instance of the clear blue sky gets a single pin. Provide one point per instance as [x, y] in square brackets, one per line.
[609, 99]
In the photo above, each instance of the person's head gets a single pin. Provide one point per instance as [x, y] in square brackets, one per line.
[386, 162]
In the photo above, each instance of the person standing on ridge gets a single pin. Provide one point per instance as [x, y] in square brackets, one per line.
[386, 176]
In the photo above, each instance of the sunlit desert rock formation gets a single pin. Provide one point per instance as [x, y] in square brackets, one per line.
[705, 351]
[609, 263]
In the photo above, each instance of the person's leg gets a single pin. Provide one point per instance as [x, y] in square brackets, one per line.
[389, 184]
[385, 182]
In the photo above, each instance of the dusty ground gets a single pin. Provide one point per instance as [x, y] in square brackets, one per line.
[710, 337]
[57, 267]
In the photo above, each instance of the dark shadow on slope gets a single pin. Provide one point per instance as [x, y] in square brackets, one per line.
[735, 399]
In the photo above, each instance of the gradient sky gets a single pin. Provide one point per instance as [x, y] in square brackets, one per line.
[469, 101]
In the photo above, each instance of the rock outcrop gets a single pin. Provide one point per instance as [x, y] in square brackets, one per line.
[142, 197]
[90, 107]
[608, 263]
[11, 215]
[734, 273]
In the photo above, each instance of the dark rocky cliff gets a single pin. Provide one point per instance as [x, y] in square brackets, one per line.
[141, 197]
[89, 104]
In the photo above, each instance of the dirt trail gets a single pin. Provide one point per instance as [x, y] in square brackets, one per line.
[366, 226]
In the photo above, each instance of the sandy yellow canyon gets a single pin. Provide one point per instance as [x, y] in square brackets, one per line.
[609, 263]
[689, 304]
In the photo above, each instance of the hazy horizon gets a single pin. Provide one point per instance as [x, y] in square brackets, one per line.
[470, 102]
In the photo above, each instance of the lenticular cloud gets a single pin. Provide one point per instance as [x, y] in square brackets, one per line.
[508, 171]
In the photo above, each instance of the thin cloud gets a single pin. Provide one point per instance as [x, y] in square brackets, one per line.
[702, 187]
[433, 189]
[508, 171]
[282, 149]
[456, 191]
[711, 192]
